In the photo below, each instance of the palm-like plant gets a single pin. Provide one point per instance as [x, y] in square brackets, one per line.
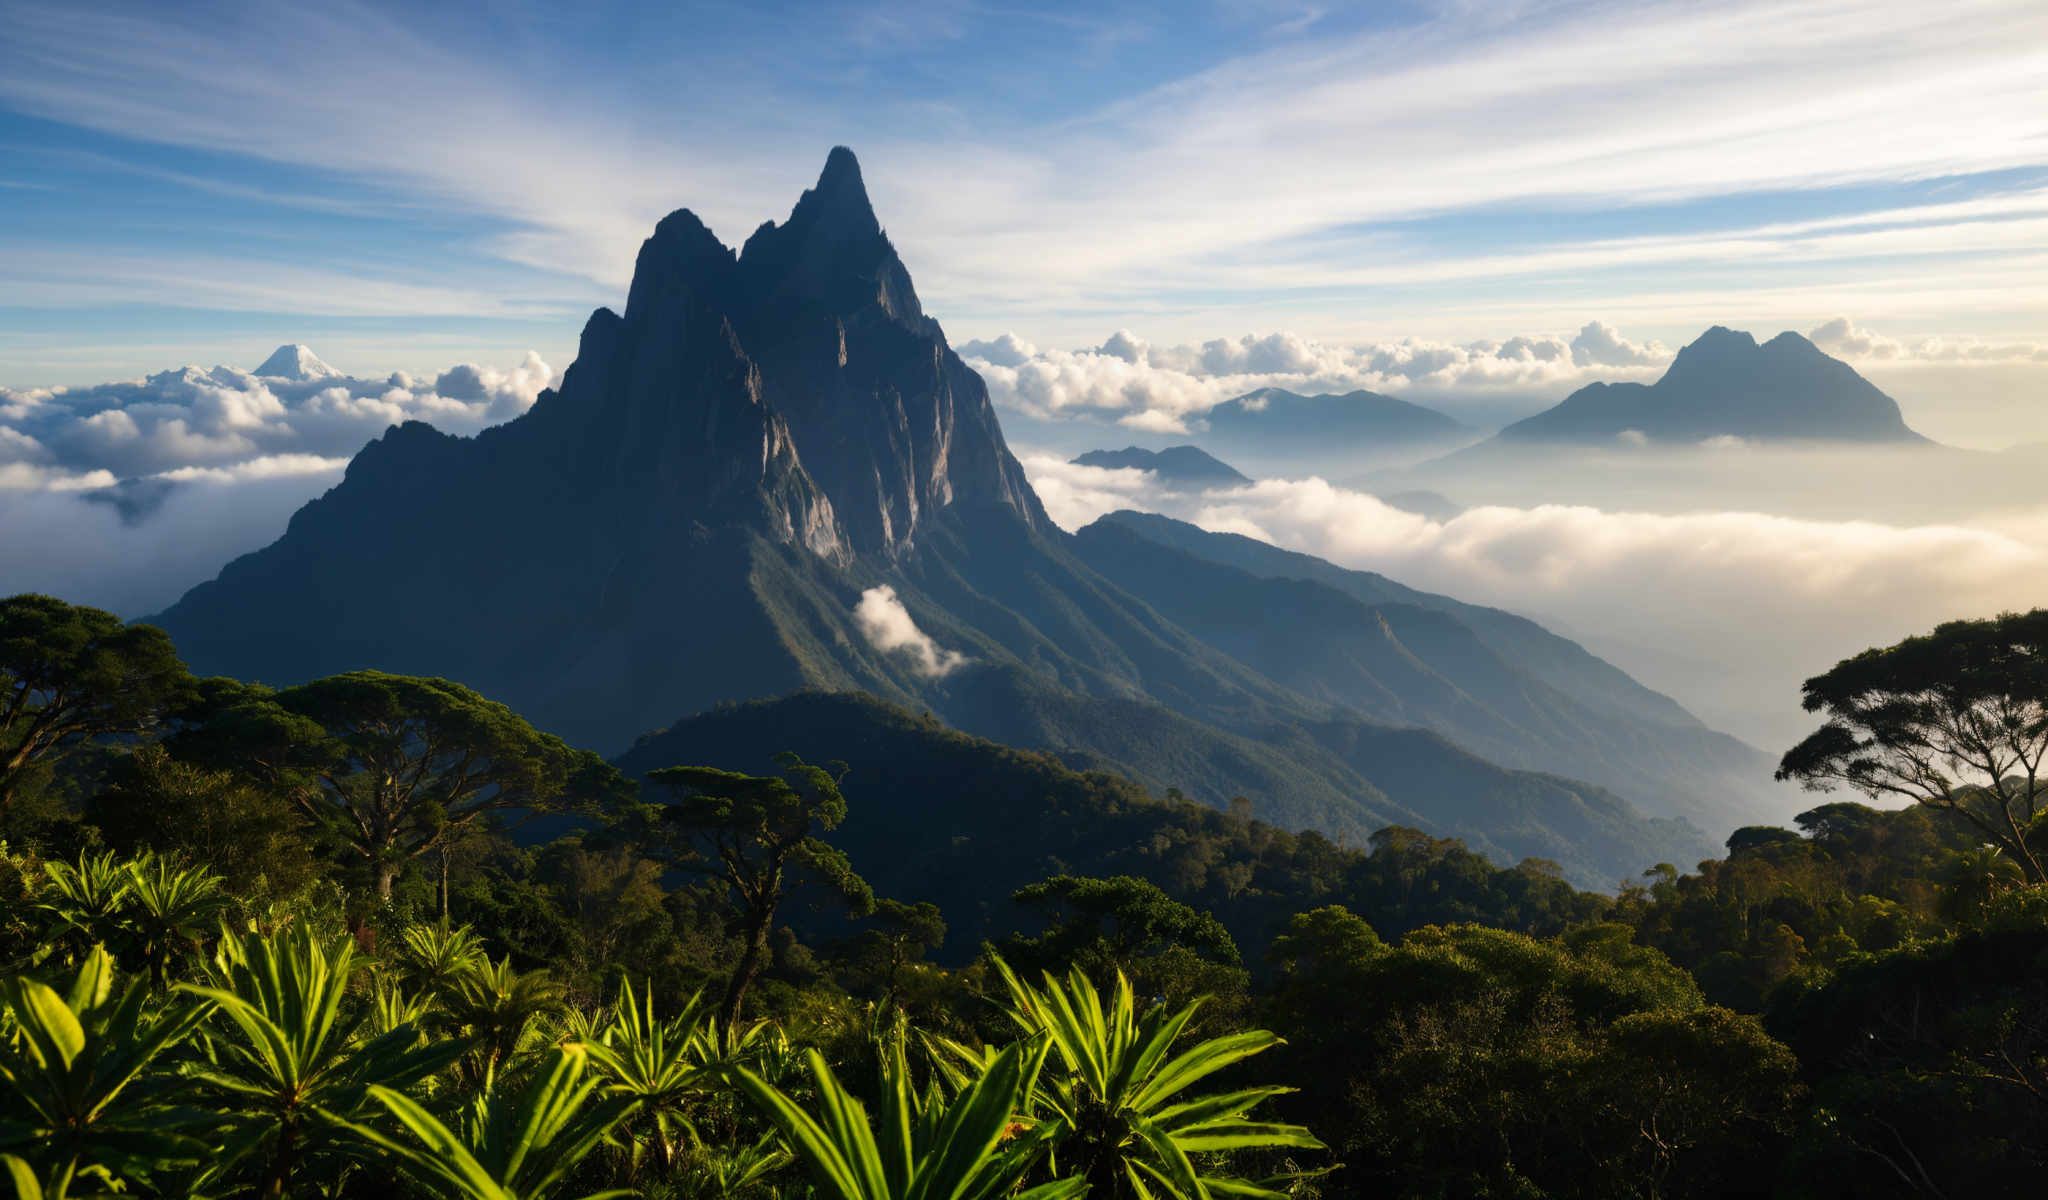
[498, 1006]
[430, 959]
[1118, 1099]
[88, 901]
[517, 1149]
[657, 1063]
[299, 1064]
[73, 1093]
[923, 1147]
[719, 1173]
[170, 910]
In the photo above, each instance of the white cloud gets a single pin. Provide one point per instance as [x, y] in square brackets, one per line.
[888, 627]
[1166, 389]
[1600, 344]
[1729, 611]
[227, 418]
[1843, 338]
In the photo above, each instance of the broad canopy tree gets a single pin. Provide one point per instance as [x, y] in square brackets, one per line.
[753, 835]
[70, 675]
[397, 766]
[1956, 720]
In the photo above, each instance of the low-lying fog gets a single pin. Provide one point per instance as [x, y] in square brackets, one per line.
[1721, 577]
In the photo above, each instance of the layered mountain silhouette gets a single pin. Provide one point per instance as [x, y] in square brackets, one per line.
[1185, 466]
[770, 475]
[1274, 418]
[1727, 385]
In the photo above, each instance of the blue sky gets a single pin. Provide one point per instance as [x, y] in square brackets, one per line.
[408, 186]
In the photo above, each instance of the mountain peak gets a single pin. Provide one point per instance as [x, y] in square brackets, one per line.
[1726, 385]
[297, 362]
[840, 198]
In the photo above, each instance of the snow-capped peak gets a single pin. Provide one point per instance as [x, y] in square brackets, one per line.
[295, 362]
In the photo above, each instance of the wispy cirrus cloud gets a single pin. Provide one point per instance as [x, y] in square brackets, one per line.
[1270, 172]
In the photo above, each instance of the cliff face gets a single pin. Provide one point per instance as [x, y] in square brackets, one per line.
[595, 561]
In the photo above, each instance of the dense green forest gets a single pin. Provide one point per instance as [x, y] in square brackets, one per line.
[375, 935]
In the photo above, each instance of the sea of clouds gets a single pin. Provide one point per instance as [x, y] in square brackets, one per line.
[123, 495]
[1728, 611]
[1166, 389]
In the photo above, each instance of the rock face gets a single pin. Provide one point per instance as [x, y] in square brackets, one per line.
[1726, 385]
[594, 561]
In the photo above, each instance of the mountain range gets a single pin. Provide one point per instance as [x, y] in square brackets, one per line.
[770, 476]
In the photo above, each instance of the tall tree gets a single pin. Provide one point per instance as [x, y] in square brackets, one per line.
[1956, 720]
[70, 675]
[752, 834]
[396, 766]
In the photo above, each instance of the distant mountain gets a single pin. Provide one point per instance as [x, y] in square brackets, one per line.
[1188, 466]
[1495, 684]
[771, 474]
[938, 815]
[296, 363]
[1436, 506]
[1726, 385]
[1273, 417]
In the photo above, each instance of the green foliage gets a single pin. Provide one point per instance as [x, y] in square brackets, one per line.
[1956, 720]
[70, 676]
[508, 1148]
[80, 1093]
[300, 1065]
[751, 834]
[1124, 1120]
[396, 766]
[969, 1147]
[252, 835]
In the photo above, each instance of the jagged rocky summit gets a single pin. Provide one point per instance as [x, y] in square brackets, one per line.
[770, 473]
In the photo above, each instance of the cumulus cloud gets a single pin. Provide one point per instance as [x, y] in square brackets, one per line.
[1729, 611]
[1167, 389]
[126, 494]
[224, 417]
[1601, 345]
[1843, 338]
[887, 625]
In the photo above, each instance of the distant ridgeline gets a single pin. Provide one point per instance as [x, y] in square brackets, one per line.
[1726, 385]
[1189, 466]
[771, 473]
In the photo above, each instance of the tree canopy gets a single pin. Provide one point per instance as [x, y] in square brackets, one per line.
[70, 675]
[1956, 720]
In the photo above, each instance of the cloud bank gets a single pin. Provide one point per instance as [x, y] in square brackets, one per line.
[126, 494]
[1728, 611]
[225, 418]
[1166, 389]
[1843, 338]
[888, 627]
